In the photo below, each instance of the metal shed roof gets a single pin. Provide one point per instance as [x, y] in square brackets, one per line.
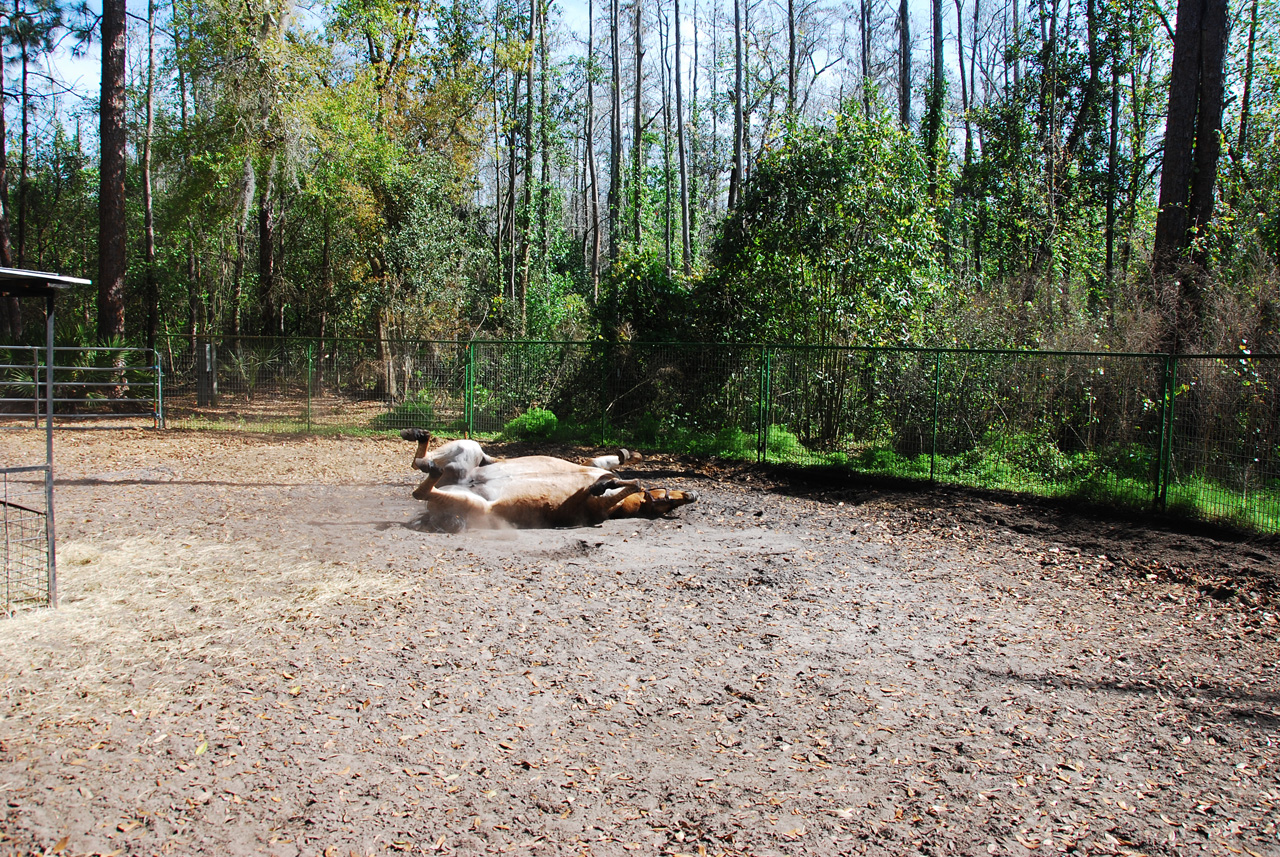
[18, 283]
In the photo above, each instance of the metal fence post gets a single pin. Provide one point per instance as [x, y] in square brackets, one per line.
[51, 529]
[469, 390]
[937, 387]
[310, 369]
[159, 415]
[604, 393]
[762, 407]
[1165, 455]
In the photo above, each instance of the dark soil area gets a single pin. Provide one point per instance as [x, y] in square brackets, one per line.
[259, 650]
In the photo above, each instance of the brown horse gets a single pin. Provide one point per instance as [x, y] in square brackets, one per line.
[465, 486]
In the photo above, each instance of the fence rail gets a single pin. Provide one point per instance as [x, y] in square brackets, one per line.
[1194, 434]
[89, 387]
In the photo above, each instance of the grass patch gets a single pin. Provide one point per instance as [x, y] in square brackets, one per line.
[416, 410]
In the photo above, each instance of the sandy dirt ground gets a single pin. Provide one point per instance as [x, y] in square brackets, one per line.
[259, 651]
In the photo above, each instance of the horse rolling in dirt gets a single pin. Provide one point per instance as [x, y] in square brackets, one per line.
[467, 487]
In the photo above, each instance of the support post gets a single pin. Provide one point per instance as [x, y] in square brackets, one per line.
[50, 528]
[310, 370]
[1165, 454]
[159, 389]
[765, 409]
[206, 373]
[933, 443]
[469, 390]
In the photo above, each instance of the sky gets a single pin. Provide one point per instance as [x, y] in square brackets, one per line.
[83, 72]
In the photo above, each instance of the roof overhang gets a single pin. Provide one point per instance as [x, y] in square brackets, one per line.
[18, 283]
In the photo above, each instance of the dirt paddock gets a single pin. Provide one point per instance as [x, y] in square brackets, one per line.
[258, 652]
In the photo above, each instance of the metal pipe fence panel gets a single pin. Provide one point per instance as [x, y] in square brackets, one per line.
[92, 387]
[1199, 433]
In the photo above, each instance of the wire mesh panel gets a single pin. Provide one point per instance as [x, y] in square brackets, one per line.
[512, 379]
[281, 384]
[870, 409]
[1058, 424]
[1053, 423]
[1224, 439]
[1130, 429]
[24, 512]
[426, 387]
[698, 398]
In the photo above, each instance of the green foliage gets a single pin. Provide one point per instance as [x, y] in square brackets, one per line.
[783, 445]
[533, 424]
[556, 310]
[249, 365]
[834, 241]
[644, 301]
[728, 442]
[429, 250]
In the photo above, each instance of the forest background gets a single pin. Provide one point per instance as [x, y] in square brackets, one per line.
[1091, 174]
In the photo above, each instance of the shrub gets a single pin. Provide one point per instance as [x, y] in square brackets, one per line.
[533, 424]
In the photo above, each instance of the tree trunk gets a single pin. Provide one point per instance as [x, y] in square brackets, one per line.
[513, 238]
[1016, 47]
[544, 138]
[25, 126]
[637, 146]
[236, 325]
[694, 117]
[194, 314]
[615, 136]
[746, 96]
[1189, 170]
[10, 308]
[1242, 141]
[148, 215]
[266, 253]
[527, 206]
[1213, 36]
[864, 10]
[933, 118]
[964, 84]
[685, 242]
[735, 174]
[1089, 111]
[904, 64]
[248, 190]
[667, 213]
[112, 236]
[1113, 160]
[593, 180]
[791, 57]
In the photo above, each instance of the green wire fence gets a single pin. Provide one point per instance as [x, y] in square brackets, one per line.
[1195, 434]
